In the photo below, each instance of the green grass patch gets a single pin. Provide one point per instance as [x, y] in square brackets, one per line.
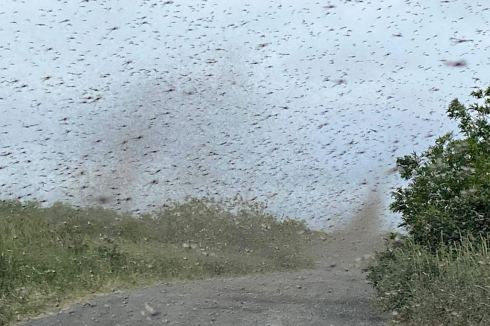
[54, 255]
[420, 287]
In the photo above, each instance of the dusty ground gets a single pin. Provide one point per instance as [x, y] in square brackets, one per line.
[336, 293]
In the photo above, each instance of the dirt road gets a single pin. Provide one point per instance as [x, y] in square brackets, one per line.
[336, 293]
[325, 296]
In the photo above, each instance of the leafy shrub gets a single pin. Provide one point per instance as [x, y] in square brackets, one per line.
[420, 287]
[449, 191]
[393, 272]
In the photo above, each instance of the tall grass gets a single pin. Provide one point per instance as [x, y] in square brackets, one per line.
[49, 256]
[448, 287]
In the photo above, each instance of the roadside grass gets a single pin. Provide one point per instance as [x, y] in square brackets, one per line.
[449, 287]
[60, 254]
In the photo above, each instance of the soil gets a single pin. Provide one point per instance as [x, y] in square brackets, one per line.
[336, 293]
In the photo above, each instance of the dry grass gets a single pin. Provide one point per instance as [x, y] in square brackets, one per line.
[50, 256]
[451, 287]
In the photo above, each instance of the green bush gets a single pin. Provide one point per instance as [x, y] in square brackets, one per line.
[449, 190]
[450, 286]
[438, 273]
[394, 270]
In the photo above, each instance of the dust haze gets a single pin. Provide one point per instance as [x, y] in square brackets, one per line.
[352, 244]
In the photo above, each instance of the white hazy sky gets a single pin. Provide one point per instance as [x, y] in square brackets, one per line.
[292, 102]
